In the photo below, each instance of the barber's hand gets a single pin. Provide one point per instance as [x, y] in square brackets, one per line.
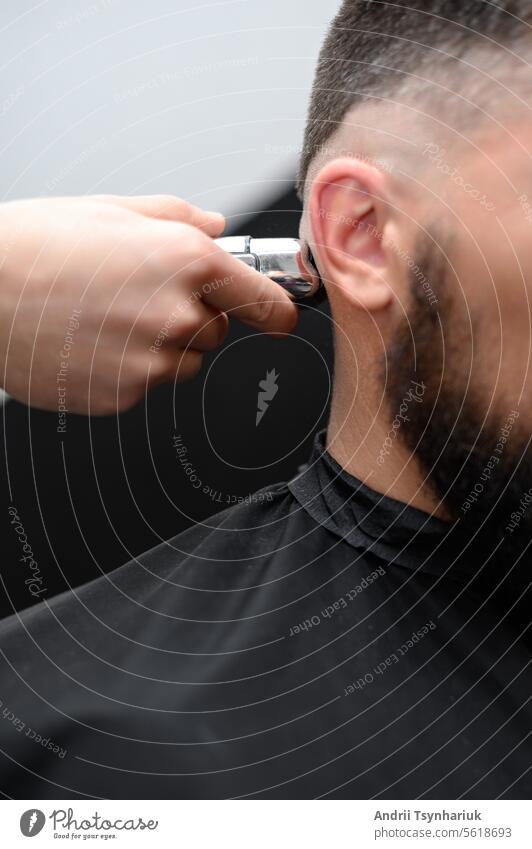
[102, 297]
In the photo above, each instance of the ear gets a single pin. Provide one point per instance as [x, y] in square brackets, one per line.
[347, 218]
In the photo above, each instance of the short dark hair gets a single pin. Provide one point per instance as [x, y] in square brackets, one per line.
[372, 43]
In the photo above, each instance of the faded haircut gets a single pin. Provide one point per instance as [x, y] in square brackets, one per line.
[374, 45]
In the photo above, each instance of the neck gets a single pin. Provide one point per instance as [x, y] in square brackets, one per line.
[364, 437]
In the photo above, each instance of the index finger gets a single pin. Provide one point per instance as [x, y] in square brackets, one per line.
[230, 285]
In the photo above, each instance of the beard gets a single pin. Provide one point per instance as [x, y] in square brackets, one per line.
[475, 455]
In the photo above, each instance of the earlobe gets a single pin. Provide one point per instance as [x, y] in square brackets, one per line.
[346, 219]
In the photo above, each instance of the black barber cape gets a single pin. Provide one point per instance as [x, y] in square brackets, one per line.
[319, 640]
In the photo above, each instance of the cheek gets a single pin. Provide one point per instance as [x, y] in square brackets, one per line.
[506, 293]
[494, 279]
[493, 265]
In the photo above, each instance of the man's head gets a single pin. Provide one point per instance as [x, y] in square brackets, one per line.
[416, 177]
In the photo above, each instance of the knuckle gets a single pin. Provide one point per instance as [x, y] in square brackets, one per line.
[106, 405]
[210, 342]
[126, 401]
[172, 205]
[187, 326]
[162, 370]
[264, 308]
[221, 328]
[186, 250]
[196, 364]
[147, 321]
[188, 365]
[218, 336]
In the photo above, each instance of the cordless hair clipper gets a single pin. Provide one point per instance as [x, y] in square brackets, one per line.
[278, 260]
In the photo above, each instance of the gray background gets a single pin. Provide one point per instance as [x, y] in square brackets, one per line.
[206, 100]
